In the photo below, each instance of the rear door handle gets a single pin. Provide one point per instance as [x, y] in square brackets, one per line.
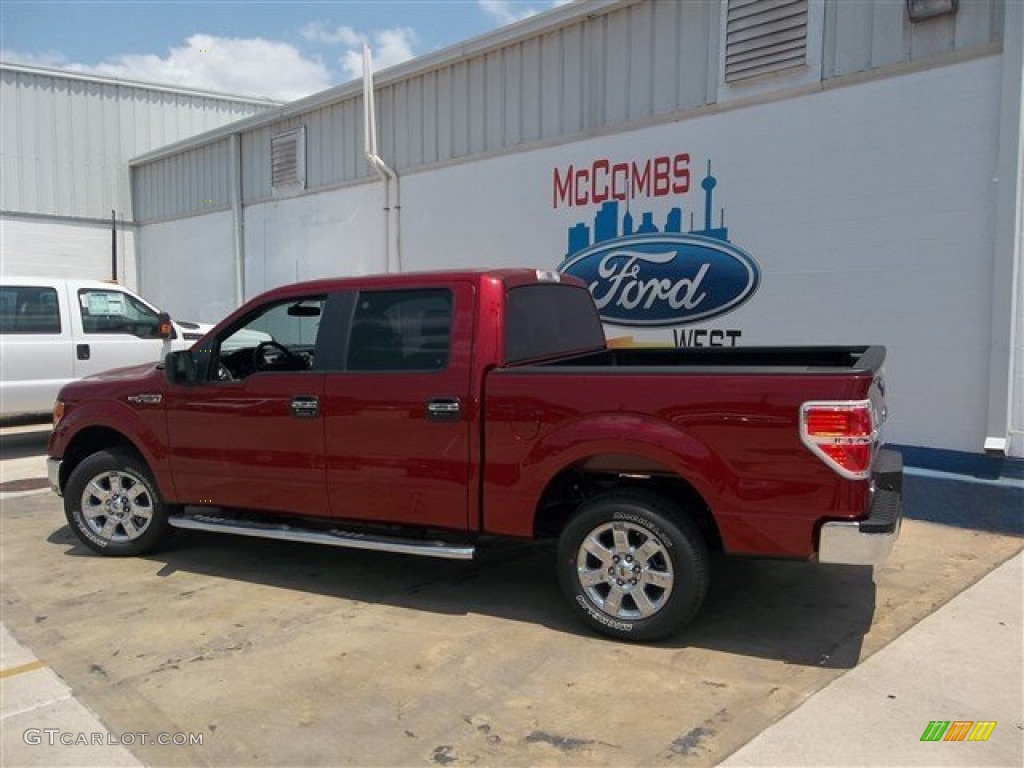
[444, 409]
[82, 351]
[305, 406]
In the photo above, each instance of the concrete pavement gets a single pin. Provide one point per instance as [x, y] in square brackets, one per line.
[39, 717]
[961, 662]
[964, 662]
[42, 723]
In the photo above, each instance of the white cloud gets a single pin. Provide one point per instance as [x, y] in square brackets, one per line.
[319, 32]
[511, 11]
[389, 47]
[505, 11]
[240, 66]
[50, 59]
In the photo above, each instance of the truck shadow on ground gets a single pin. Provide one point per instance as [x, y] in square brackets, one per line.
[799, 613]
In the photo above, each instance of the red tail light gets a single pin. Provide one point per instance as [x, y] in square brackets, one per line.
[843, 434]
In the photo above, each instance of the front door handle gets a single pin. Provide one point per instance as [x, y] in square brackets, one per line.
[305, 406]
[444, 409]
[83, 352]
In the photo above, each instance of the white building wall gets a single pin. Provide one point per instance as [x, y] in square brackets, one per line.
[188, 269]
[868, 200]
[869, 209]
[308, 237]
[185, 271]
[55, 248]
[65, 143]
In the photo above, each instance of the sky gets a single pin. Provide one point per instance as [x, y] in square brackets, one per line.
[271, 49]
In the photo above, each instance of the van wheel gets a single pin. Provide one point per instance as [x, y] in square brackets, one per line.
[112, 504]
[633, 565]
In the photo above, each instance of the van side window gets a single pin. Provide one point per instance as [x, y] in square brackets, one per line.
[111, 311]
[28, 309]
[401, 331]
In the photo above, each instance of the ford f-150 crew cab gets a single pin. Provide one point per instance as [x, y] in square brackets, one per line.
[417, 413]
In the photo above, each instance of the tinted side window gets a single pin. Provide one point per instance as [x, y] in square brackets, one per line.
[401, 331]
[110, 311]
[549, 320]
[28, 309]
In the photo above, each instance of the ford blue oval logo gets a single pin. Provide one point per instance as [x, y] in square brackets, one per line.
[664, 279]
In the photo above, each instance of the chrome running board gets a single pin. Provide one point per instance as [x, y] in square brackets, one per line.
[334, 537]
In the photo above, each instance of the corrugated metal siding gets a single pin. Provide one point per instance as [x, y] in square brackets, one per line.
[636, 61]
[589, 73]
[67, 141]
[194, 181]
[864, 35]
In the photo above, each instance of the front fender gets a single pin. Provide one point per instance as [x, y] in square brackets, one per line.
[97, 424]
[513, 498]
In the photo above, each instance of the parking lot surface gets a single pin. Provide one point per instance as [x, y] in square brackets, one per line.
[291, 654]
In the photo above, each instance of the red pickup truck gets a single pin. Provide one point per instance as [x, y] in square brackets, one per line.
[417, 413]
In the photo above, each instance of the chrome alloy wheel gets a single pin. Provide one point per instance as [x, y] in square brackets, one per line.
[625, 570]
[117, 506]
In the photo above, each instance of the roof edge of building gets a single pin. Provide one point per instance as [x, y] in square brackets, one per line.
[66, 74]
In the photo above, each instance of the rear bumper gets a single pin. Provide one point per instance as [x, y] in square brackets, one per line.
[870, 540]
[53, 474]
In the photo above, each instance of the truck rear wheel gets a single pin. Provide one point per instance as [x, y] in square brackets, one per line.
[112, 504]
[633, 565]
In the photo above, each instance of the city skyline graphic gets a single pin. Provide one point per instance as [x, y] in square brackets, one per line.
[606, 222]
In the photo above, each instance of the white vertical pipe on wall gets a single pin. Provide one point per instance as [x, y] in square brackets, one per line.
[237, 213]
[392, 192]
[1004, 397]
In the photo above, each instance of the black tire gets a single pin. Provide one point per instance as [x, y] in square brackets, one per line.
[113, 506]
[633, 565]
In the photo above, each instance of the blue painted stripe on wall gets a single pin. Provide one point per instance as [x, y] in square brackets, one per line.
[963, 490]
[961, 463]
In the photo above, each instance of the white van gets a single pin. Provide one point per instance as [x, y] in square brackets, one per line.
[54, 330]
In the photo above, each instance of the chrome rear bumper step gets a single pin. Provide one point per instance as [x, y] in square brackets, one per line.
[334, 537]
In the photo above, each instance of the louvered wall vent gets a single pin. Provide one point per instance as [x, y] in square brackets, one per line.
[288, 159]
[764, 36]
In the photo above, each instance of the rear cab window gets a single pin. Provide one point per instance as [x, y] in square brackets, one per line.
[550, 320]
[29, 310]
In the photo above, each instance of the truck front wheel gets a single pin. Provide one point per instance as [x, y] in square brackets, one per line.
[633, 565]
[112, 505]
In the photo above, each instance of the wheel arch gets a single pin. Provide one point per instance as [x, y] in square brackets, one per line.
[93, 439]
[602, 471]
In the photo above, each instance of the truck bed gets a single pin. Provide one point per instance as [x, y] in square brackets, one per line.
[726, 420]
[753, 360]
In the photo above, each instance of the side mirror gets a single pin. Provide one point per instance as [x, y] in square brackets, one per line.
[164, 328]
[181, 368]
